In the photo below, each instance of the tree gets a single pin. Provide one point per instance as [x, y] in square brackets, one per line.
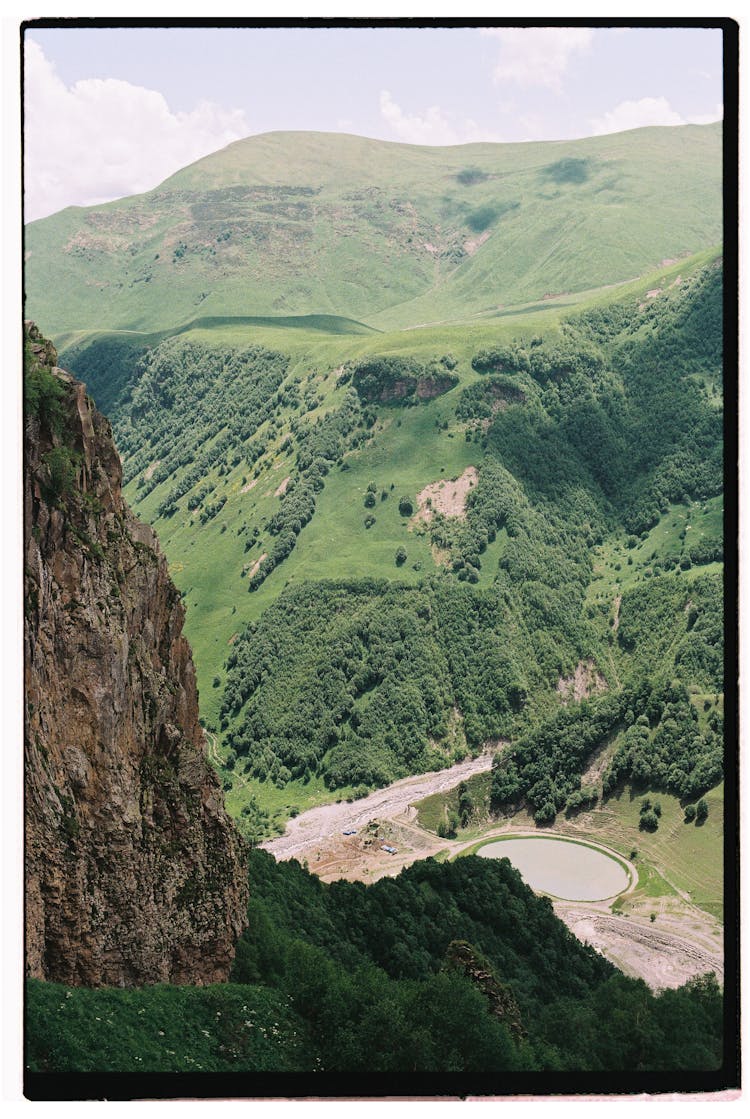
[465, 804]
[701, 811]
[400, 556]
[405, 507]
[690, 813]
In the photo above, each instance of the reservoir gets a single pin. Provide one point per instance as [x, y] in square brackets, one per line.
[571, 871]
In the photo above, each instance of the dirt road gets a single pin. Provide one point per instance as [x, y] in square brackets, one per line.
[660, 957]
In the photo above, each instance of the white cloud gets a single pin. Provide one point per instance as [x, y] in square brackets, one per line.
[707, 118]
[645, 113]
[537, 56]
[432, 127]
[102, 139]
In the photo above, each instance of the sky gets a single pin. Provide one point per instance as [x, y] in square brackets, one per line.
[113, 112]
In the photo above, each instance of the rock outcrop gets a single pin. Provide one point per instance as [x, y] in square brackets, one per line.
[134, 872]
[465, 959]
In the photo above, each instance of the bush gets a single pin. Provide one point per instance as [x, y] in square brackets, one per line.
[400, 556]
[44, 397]
[405, 507]
[62, 463]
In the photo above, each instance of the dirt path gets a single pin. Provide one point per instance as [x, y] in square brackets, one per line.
[212, 749]
[661, 957]
[309, 832]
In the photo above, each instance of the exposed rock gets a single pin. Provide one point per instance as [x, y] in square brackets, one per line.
[464, 958]
[585, 681]
[134, 872]
[446, 497]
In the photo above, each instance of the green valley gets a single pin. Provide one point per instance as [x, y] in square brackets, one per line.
[288, 470]
[432, 441]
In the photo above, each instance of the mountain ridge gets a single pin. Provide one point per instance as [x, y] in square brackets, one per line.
[320, 223]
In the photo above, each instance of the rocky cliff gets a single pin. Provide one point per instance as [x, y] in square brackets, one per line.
[134, 872]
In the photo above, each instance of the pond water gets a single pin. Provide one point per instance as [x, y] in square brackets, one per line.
[565, 870]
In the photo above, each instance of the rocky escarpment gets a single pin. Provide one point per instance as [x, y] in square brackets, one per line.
[400, 380]
[134, 872]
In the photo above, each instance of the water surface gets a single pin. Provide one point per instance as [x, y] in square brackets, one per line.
[566, 870]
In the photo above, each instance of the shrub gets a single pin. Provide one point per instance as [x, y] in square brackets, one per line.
[62, 463]
[400, 556]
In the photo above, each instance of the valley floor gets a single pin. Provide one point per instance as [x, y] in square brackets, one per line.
[665, 941]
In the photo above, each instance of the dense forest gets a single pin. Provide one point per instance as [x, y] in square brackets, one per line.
[393, 679]
[456, 967]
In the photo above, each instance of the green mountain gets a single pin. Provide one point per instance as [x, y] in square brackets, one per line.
[301, 484]
[397, 543]
[417, 533]
[314, 224]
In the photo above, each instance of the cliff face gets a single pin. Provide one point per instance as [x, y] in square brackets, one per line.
[134, 872]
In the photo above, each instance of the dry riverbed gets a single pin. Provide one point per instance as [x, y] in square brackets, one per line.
[317, 836]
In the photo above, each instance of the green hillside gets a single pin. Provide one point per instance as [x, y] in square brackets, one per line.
[389, 235]
[432, 441]
[283, 468]
[488, 490]
[445, 969]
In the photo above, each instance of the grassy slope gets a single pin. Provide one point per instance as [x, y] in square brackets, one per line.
[677, 858]
[408, 451]
[387, 234]
[591, 216]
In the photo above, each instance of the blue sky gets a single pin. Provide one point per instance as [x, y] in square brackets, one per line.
[113, 112]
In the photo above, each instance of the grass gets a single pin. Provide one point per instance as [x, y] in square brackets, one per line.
[677, 858]
[256, 270]
[280, 804]
[409, 450]
[161, 1028]
[434, 809]
[679, 526]
[295, 224]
